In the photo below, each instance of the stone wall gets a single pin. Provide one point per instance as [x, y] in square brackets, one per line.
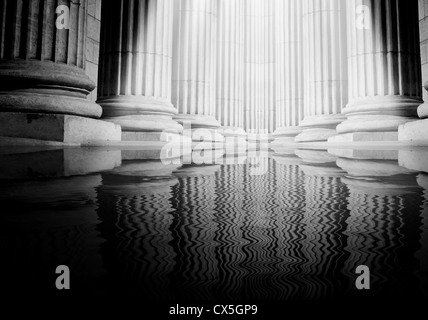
[423, 33]
[93, 42]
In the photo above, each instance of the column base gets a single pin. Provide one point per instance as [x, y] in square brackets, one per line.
[423, 110]
[194, 121]
[315, 156]
[319, 128]
[414, 131]
[64, 129]
[205, 135]
[233, 136]
[364, 154]
[200, 127]
[286, 135]
[315, 135]
[364, 137]
[413, 159]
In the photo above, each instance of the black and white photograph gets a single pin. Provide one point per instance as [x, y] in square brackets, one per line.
[214, 159]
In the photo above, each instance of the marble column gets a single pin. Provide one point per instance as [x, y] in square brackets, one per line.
[259, 72]
[194, 67]
[418, 130]
[289, 70]
[42, 71]
[325, 68]
[230, 69]
[135, 68]
[384, 69]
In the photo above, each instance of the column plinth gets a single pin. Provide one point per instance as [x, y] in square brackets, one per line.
[384, 67]
[325, 68]
[135, 69]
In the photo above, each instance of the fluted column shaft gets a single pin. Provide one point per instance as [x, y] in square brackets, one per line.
[259, 67]
[230, 65]
[193, 75]
[384, 65]
[325, 68]
[289, 63]
[41, 65]
[135, 65]
[289, 87]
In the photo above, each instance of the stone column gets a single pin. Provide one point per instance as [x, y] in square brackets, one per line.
[193, 74]
[418, 130]
[325, 68]
[135, 68]
[289, 69]
[259, 69]
[230, 68]
[42, 71]
[384, 69]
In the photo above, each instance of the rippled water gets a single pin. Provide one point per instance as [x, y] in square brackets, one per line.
[296, 230]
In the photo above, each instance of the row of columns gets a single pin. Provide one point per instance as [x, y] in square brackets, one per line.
[249, 67]
[318, 66]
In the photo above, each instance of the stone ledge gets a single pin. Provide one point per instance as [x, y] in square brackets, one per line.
[413, 131]
[364, 137]
[149, 136]
[65, 129]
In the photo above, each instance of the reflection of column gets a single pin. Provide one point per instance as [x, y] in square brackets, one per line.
[193, 74]
[289, 66]
[53, 222]
[135, 68]
[325, 68]
[384, 63]
[194, 230]
[134, 209]
[383, 232]
[323, 221]
[422, 253]
[230, 68]
[289, 190]
[269, 221]
[259, 68]
[42, 72]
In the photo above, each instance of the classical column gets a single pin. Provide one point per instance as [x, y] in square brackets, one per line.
[230, 68]
[418, 130]
[42, 71]
[289, 69]
[325, 68]
[135, 68]
[384, 69]
[259, 69]
[193, 74]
